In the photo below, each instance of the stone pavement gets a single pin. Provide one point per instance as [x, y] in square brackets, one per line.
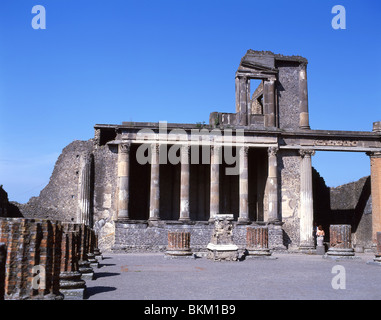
[146, 276]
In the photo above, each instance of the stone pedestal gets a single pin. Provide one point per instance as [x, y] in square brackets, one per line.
[257, 241]
[221, 246]
[178, 244]
[340, 241]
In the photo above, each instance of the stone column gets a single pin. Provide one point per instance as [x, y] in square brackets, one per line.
[184, 183]
[340, 241]
[269, 102]
[243, 186]
[242, 99]
[272, 185]
[123, 180]
[155, 188]
[375, 170]
[303, 98]
[214, 182]
[84, 198]
[306, 201]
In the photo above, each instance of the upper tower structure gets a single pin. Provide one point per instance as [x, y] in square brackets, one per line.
[280, 100]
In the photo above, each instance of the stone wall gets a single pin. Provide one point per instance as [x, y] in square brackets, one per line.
[352, 204]
[288, 94]
[141, 237]
[289, 195]
[59, 199]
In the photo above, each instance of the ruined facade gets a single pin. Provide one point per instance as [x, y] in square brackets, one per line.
[136, 181]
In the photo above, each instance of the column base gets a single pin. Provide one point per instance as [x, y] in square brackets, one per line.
[243, 221]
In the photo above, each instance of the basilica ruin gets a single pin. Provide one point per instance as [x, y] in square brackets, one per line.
[136, 181]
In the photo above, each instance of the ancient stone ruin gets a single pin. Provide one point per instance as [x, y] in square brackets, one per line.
[135, 182]
[221, 246]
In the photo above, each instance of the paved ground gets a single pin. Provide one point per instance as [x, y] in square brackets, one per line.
[290, 276]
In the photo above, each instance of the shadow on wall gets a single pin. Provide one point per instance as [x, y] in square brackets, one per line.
[346, 204]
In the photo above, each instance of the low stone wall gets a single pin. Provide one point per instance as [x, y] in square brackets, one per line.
[135, 236]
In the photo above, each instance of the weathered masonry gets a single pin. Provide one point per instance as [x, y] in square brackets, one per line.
[137, 181]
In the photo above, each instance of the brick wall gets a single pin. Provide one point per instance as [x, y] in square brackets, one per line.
[37, 251]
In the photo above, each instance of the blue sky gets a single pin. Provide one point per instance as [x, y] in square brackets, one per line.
[119, 60]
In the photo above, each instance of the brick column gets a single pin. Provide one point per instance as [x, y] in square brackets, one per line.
[3, 256]
[243, 186]
[71, 285]
[178, 244]
[154, 209]
[306, 201]
[33, 258]
[375, 170]
[272, 185]
[184, 184]
[214, 182]
[257, 241]
[123, 180]
[340, 244]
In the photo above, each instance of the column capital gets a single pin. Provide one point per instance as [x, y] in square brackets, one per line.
[374, 154]
[306, 152]
[245, 150]
[124, 147]
[272, 151]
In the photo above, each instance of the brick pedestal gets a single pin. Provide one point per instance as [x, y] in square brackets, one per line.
[178, 244]
[257, 241]
[340, 241]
